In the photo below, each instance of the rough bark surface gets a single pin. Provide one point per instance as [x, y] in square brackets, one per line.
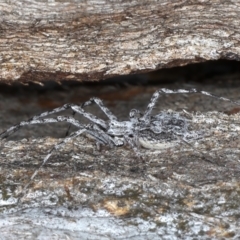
[182, 192]
[92, 40]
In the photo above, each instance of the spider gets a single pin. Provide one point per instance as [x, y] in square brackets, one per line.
[140, 130]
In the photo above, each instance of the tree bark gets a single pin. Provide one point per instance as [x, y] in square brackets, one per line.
[121, 192]
[188, 191]
[93, 40]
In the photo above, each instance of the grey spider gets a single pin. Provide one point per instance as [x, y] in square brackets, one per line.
[142, 129]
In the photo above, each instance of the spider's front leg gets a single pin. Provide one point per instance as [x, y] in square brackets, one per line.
[76, 108]
[32, 121]
[156, 95]
[92, 129]
[99, 102]
[56, 147]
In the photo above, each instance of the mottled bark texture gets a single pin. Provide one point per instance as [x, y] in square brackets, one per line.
[181, 192]
[92, 40]
[195, 185]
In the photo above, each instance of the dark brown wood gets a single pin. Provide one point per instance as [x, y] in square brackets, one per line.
[93, 40]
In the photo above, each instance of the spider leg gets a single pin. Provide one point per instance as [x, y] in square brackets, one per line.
[68, 130]
[134, 115]
[55, 110]
[56, 147]
[93, 130]
[156, 95]
[134, 145]
[90, 116]
[99, 102]
[14, 128]
[104, 137]
[206, 158]
[75, 108]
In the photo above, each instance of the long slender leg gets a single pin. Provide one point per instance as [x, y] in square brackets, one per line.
[75, 108]
[134, 145]
[93, 130]
[56, 110]
[102, 137]
[80, 110]
[206, 158]
[90, 116]
[69, 127]
[13, 129]
[99, 102]
[60, 144]
[56, 147]
[157, 94]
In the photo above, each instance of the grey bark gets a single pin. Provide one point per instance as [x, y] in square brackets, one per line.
[123, 191]
[184, 191]
[93, 40]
